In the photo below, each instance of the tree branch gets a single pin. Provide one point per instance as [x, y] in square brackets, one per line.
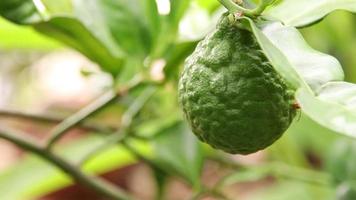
[94, 127]
[59, 130]
[90, 110]
[100, 186]
[126, 122]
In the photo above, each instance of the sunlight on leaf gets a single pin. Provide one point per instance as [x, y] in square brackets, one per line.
[276, 57]
[315, 67]
[337, 102]
[332, 103]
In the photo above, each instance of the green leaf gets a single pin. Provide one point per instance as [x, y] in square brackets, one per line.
[279, 60]
[89, 37]
[304, 12]
[75, 34]
[20, 37]
[106, 31]
[178, 150]
[314, 67]
[123, 19]
[316, 76]
[20, 11]
[332, 107]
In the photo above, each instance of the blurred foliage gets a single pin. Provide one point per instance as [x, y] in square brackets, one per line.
[306, 144]
[19, 37]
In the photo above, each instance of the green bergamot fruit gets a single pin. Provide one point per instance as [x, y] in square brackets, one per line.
[232, 97]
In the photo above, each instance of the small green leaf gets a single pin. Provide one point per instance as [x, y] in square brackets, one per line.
[177, 149]
[304, 12]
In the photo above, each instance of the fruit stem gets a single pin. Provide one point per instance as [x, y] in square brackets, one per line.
[252, 13]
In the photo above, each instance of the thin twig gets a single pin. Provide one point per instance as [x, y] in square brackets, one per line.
[126, 122]
[94, 127]
[99, 185]
[233, 7]
[109, 142]
[59, 130]
[138, 155]
[93, 108]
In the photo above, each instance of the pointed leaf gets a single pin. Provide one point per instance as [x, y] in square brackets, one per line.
[111, 29]
[279, 61]
[314, 67]
[331, 103]
[20, 11]
[333, 107]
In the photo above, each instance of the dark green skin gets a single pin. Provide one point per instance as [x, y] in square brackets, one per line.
[231, 96]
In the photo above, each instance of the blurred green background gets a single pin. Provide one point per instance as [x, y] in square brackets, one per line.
[41, 75]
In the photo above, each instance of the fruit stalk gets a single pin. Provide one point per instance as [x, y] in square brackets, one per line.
[252, 13]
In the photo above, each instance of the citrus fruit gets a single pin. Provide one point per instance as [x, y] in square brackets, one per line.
[231, 95]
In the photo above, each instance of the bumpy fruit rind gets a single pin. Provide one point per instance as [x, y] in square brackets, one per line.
[231, 96]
